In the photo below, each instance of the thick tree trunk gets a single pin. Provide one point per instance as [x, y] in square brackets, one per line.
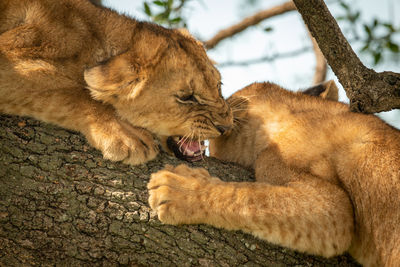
[62, 204]
[367, 90]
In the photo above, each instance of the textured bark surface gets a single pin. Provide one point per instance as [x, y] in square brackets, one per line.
[62, 204]
[368, 91]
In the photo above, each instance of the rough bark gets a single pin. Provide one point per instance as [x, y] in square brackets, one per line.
[62, 204]
[367, 90]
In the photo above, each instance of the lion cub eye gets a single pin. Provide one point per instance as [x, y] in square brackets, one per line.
[187, 99]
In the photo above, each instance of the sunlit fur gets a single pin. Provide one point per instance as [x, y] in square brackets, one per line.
[328, 180]
[112, 78]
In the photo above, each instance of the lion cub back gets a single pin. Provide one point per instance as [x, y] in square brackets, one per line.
[265, 114]
[278, 133]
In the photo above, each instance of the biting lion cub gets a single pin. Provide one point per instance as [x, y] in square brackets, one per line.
[116, 80]
[328, 180]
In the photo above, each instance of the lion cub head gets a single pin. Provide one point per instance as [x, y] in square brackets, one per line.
[166, 84]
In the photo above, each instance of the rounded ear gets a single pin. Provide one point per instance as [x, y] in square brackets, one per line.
[94, 77]
[106, 80]
[326, 90]
[187, 34]
[127, 70]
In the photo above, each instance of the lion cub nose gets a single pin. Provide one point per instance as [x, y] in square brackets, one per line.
[222, 128]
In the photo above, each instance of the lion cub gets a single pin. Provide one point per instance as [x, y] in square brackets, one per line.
[116, 80]
[328, 180]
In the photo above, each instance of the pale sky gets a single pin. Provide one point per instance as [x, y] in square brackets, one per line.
[206, 17]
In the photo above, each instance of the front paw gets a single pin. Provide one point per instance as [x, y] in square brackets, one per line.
[179, 195]
[120, 141]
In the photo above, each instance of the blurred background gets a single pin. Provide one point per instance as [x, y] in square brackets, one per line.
[278, 48]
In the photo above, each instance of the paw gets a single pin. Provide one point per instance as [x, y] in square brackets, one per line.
[179, 195]
[120, 141]
[184, 170]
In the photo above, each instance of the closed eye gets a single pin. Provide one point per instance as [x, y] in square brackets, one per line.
[187, 99]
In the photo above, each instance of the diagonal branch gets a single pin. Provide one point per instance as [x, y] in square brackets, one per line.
[61, 204]
[367, 90]
[249, 21]
[268, 58]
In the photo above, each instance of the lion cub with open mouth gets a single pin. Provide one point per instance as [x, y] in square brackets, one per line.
[114, 79]
[328, 180]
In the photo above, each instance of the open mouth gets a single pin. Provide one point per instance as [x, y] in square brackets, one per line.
[186, 149]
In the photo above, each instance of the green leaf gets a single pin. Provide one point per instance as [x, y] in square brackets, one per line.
[367, 30]
[357, 15]
[170, 3]
[389, 26]
[365, 47]
[268, 29]
[377, 57]
[344, 5]
[393, 47]
[161, 18]
[375, 23]
[175, 20]
[147, 9]
[159, 3]
[354, 17]
[167, 13]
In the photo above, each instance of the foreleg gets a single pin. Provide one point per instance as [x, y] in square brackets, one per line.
[310, 216]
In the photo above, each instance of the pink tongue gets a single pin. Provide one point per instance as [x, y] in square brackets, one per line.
[189, 145]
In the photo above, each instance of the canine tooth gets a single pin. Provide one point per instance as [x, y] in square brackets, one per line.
[189, 153]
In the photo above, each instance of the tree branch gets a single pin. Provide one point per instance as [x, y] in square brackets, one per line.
[62, 204]
[249, 21]
[367, 90]
[269, 59]
[321, 66]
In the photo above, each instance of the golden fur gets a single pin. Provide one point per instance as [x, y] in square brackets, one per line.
[328, 180]
[116, 80]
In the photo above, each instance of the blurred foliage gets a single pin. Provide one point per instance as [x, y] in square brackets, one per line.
[166, 12]
[379, 39]
[376, 38]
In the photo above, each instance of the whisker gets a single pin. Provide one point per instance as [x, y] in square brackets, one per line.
[192, 135]
[182, 141]
[236, 105]
[240, 100]
[237, 100]
[239, 109]
[237, 123]
[240, 119]
[249, 107]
